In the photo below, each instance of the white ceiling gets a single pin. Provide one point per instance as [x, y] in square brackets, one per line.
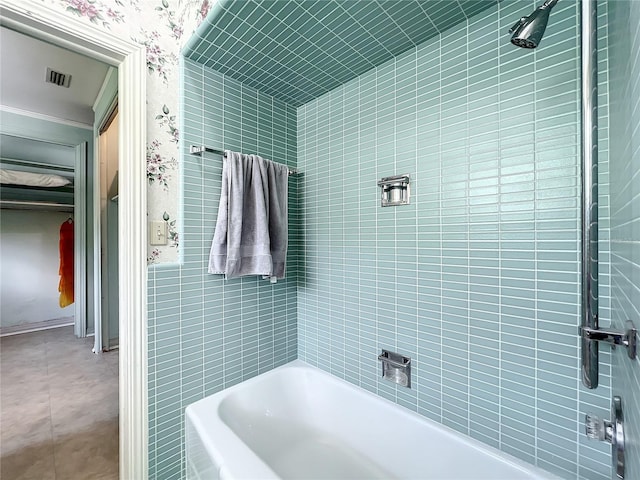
[23, 65]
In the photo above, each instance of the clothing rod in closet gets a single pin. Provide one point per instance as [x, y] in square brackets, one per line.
[199, 150]
[31, 205]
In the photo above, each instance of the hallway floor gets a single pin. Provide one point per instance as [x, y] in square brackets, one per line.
[59, 408]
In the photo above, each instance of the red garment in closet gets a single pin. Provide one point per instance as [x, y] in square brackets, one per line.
[65, 287]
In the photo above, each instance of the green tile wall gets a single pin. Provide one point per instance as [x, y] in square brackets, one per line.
[624, 77]
[298, 50]
[207, 333]
[478, 279]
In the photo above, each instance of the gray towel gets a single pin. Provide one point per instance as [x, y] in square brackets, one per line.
[252, 228]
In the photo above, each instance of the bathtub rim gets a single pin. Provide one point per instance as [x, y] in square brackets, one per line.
[248, 464]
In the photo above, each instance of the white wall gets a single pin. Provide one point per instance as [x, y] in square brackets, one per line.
[29, 261]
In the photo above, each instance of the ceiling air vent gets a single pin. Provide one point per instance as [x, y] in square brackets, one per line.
[57, 78]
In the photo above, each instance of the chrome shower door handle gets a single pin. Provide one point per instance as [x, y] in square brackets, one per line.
[611, 432]
[627, 338]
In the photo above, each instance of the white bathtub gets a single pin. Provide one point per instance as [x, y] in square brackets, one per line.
[298, 422]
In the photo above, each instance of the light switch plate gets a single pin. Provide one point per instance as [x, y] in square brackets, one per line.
[158, 232]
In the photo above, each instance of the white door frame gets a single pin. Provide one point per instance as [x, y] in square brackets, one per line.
[100, 328]
[55, 26]
[80, 241]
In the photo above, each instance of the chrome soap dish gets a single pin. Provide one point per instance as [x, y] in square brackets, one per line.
[395, 190]
[396, 368]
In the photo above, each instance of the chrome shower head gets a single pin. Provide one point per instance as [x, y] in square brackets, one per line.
[528, 31]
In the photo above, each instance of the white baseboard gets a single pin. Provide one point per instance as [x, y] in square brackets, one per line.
[35, 326]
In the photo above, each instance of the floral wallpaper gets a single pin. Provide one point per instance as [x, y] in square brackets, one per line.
[162, 26]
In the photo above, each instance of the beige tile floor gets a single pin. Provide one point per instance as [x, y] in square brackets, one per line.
[58, 408]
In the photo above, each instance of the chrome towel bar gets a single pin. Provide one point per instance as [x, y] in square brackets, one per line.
[200, 149]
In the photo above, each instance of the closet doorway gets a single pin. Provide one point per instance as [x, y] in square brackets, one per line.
[55, 391]
[48, 96]
[130, 60]
[37, 196]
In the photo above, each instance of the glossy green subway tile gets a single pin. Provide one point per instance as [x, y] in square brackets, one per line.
[498, 152]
